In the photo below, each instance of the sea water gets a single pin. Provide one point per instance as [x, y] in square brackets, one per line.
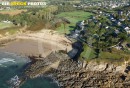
[12, 65]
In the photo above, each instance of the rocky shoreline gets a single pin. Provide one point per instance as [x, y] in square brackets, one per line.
[71, 74]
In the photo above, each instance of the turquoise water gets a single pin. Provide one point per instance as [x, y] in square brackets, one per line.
[12, 65]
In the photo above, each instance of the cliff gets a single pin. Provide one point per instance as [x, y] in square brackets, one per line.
[71, 74]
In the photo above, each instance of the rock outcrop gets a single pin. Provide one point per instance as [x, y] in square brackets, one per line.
[71, 74]
[42, 65]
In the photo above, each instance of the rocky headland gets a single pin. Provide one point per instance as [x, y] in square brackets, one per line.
[48, 52]
[81, 74]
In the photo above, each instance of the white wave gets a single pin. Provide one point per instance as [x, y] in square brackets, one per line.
[6, 60]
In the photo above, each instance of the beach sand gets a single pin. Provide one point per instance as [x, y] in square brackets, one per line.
[39, 43]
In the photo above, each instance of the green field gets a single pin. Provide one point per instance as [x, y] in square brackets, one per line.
[88, 53]
[73, 17]
[11, 30]
[8, 27]
[5, 25]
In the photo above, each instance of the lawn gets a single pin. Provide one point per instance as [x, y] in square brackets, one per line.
[108, 55]
[73, 17]
[116, 56]
[11, 30]
[88, 53]
[5, 25]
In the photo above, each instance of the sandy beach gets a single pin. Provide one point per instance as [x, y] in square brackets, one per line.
[38, 43]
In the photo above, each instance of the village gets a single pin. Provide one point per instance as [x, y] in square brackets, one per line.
[103, 4]
[106, 30]
[74, 43]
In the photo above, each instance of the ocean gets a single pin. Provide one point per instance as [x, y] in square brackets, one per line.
[12, 65]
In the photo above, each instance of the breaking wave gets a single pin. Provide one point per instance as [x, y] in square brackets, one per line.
[6, 60]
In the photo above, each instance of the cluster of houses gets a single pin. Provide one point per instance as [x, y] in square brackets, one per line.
[104, 3]
[120, 21]
[79, 30]
[120, 18]
[4, 8]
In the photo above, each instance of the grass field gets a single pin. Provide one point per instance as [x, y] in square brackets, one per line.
[108, 55]
[11, 30]
[116, 56]
[73, 17]
[12, 12]
[5, 25]
[88, 53]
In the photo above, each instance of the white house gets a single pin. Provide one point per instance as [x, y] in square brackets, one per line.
[6, 21]
[82, 25]
[127, 29]
[119, 23]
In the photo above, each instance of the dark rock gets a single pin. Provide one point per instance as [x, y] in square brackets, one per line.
[70, 75]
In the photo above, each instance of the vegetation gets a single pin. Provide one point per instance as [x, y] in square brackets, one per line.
[5, 25]
[88, 52]
[9, 31]
[73, 17]
[12, 12]
[100, 31]
[35, 19]
[102, 36]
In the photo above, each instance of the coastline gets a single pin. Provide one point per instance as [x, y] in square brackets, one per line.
[71, 74]
[66, 72]
[34, 44]
[28, 45]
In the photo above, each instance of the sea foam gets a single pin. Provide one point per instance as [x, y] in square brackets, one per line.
[6, 60]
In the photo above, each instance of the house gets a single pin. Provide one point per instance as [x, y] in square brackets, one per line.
[114, 6]
[127, 29]
[107, 27]
[119, 23]
[82, 25]
[122, 19]
[6, 21]
[118, 47]
[111, 17]
[77, 31]
[117, 31]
